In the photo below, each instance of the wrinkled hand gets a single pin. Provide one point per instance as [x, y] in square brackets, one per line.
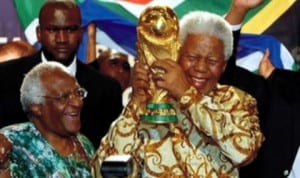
[173, 80]
[265, 66]
[5, 147]
[140, 82]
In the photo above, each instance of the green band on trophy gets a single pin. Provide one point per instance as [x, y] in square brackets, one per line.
[159, 119]
[153, 106]
[159, 113]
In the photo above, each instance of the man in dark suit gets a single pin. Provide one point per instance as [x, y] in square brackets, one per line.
[60, 33]
[282, 127]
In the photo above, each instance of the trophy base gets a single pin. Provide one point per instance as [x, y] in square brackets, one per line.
[159, 113]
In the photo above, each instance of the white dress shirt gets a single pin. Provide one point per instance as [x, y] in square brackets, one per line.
[71, 68]
[295, 172]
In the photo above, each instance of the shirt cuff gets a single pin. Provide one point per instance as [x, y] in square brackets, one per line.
[236, 27]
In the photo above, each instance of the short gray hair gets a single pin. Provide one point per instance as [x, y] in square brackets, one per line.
[32, 85]
[201, 22]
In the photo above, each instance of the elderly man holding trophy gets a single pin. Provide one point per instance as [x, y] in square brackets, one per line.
[180, 122]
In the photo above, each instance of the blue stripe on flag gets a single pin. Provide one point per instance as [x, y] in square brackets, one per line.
[250, 43]
[121, 30]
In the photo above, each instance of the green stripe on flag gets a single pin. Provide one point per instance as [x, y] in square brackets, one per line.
[27, 10]
[215, 6]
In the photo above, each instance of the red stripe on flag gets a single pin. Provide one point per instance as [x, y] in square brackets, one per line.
[140, 2]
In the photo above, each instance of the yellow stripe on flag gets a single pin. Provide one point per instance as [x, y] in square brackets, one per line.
[267, 16]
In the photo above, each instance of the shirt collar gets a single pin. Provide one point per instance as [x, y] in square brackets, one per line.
[71, 68]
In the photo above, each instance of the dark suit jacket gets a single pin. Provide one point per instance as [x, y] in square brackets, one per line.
[282, 128]
[102, 105]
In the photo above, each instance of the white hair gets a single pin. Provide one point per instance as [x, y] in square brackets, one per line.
[200, 22]
[32, 86]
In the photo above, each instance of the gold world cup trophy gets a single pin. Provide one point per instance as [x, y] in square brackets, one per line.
[157, 39]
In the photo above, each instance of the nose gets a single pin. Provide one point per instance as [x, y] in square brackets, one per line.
[121, 69]
[61, 35]
[201, 65]
[124, 67]
[75, 100]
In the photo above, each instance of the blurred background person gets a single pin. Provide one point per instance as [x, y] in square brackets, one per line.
[280, 154]
[114, 64]
[110, 62]
[15, 49]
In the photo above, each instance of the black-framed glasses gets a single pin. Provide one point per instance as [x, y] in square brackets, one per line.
[78, 92]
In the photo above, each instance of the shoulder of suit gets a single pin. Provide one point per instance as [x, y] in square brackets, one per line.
[88, 71]
[33, 59]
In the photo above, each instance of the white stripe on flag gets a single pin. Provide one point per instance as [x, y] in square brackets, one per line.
[251, 61]
[137, 9]
[286, 58]
[104, 39]
[30, 31]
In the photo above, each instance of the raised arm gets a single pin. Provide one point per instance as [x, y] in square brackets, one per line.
[91, 48]
[239, 9]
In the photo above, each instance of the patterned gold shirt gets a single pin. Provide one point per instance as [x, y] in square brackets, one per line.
[214, 135]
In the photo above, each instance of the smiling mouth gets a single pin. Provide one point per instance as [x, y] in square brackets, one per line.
[198, 80]
[72, 115]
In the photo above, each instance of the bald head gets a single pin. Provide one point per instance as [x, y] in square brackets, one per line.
[55, 7]
[15, 49]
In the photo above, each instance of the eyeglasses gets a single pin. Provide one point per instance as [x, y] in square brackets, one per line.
[78, 92]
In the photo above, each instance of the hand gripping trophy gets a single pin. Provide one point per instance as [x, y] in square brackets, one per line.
[157, 39]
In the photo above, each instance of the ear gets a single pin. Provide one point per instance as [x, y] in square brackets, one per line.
[224, 67]
[38, 32]
[36, 110]
[80, 33]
